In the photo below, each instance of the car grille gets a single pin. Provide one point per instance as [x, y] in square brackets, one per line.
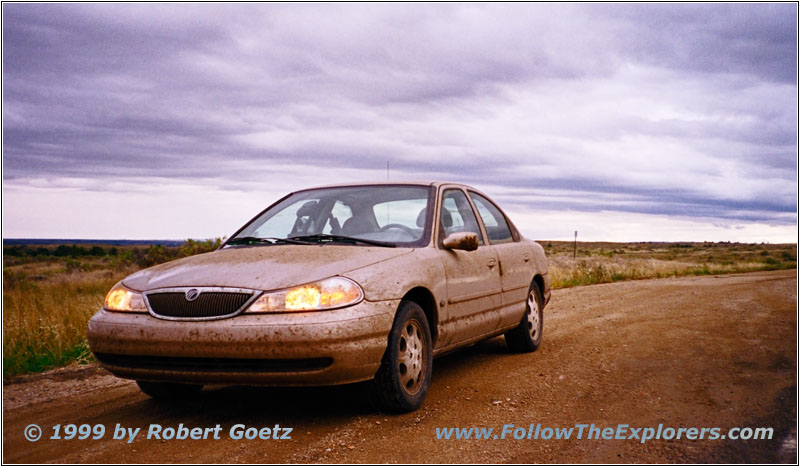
[207, 305]
[216, 365]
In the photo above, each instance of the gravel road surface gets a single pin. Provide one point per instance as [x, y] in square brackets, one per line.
[711, 351]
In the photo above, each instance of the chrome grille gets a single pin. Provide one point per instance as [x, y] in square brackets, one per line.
[213, 303]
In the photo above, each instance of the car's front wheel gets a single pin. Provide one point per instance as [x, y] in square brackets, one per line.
[527, 336]
[402, 381]
[158, 390]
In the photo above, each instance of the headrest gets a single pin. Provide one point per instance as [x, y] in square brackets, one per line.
[447, 218]
[421, 217]
[307, 209]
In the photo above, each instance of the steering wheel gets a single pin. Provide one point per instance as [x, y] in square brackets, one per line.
[405, 228]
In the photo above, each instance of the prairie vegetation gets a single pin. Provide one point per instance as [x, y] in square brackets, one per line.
[597, 262]
[50, 292]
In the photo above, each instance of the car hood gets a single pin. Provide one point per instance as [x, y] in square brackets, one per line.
[261, 267]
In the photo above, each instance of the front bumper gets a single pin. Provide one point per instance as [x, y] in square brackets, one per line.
[291, 349]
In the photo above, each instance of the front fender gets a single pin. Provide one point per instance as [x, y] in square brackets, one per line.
[393, 278]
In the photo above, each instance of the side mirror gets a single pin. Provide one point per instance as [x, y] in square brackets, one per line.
[461, 241]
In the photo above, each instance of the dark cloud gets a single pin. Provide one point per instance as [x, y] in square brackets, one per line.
[757, 39]
[675, 109]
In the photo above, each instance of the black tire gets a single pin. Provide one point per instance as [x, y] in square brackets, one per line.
[524, 338]
[168, 391]
[402, 381]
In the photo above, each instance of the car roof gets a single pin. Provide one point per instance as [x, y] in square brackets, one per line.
[392, 182]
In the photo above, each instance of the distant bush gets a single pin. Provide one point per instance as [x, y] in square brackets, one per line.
[193, 247]
[72, 251]
[158, 254]
[155, 254]
[117, 256]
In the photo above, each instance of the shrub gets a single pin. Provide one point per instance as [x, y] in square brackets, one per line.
[156, 254]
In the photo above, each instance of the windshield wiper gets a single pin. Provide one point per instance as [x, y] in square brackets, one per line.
[267, 240]
[327, 238]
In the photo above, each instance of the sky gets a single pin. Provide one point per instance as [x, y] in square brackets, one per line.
[625, 122]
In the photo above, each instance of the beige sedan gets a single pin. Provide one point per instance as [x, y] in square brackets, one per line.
[328, 286]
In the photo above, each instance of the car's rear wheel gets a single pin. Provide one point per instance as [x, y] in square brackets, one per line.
[158, 390]
[402, 381]
[527, 336]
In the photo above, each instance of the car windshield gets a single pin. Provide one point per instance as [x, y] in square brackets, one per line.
[386, 215]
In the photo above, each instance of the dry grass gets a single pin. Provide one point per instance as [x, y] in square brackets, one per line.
[596, 263]
[45, 314]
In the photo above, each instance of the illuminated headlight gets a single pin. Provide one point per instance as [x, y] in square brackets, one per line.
[335, 292]
[121, 298]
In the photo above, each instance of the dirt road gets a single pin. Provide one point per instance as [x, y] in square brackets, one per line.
[696, 351]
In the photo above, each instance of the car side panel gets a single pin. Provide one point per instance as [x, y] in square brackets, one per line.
[473, 292]
[517, 271]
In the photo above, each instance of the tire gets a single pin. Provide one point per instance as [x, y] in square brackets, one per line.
[168, 391]
[527, 336]
[402, 381]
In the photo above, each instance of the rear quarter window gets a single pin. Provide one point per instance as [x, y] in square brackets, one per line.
[493, 219]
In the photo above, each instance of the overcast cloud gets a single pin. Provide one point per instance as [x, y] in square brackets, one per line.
[625, 122]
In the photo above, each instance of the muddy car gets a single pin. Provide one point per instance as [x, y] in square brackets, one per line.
[328, 286]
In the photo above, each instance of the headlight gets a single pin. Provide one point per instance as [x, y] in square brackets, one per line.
[335, 292]
[121, 298]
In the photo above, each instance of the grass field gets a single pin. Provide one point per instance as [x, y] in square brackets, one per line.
[598, 262]
[50, 292]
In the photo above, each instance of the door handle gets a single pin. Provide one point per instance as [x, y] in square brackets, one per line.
[492, 263]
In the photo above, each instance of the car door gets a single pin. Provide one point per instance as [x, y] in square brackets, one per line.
[473, 277]
[515, 267]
